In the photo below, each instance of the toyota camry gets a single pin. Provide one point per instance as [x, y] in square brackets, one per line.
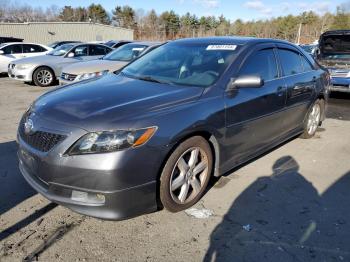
[153, 134]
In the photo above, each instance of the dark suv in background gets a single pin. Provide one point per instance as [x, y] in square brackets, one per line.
[154, 133]
[334, 54]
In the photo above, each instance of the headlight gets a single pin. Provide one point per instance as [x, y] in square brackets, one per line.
[92, 75]
[111, 141]
[23, 67]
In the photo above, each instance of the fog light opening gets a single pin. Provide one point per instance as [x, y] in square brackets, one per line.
[89, 198]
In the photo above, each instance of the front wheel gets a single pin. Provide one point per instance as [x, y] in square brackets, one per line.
[313, 120]
[186, 174]
[43, 76]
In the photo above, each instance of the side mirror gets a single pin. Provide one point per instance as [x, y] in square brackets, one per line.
[2, 52]
[70, 55]
[248, 81]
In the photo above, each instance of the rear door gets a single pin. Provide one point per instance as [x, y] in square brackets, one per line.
[254, 115]
[300, 79]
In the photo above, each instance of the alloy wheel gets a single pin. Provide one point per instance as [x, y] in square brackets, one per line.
[44, 77]
[314, 119]
[189, 175]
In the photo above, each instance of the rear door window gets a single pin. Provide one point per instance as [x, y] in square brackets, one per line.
[33, 48]
[12, 49]
[290, 62]
[261, 63]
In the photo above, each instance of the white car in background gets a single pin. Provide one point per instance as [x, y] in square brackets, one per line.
[44, 70]
[13, 51]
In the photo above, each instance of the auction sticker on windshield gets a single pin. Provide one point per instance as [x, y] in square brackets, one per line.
[222, 47]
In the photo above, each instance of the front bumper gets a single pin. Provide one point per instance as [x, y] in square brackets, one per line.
[118, 205]
[125, 179]
[340, 84]
[64, 81]
[24, 75]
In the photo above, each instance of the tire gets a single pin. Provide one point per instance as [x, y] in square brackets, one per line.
[43, 76]
[313, 119]
[185, 177]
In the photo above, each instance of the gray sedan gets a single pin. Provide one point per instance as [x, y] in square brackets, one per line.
[44, 70]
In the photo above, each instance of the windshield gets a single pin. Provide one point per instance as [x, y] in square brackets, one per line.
[125, 53]
[183, 64]
[61, 50]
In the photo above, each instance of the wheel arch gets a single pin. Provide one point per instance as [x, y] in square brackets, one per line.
[214, 146]
[37, 67]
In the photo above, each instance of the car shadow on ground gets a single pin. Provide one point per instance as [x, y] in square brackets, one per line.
[283, 218]
[339, 106]
[13, 187]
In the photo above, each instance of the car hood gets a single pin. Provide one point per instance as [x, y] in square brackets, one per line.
[41, 59]
[108, 102]
[93, 66]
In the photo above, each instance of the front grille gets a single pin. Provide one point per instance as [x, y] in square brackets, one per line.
[40, 140]
[69, 77]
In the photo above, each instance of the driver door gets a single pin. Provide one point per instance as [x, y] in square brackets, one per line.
[254, 116]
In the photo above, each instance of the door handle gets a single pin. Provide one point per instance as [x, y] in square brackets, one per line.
[297, 87]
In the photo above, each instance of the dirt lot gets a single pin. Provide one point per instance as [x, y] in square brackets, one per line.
[290, 205]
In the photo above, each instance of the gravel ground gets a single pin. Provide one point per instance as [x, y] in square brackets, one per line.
[288, 205]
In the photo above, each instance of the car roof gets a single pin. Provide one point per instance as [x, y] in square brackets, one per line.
[234, 40]
[21, 43]
[74, 44]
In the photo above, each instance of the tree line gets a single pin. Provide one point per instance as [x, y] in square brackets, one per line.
[149, 25]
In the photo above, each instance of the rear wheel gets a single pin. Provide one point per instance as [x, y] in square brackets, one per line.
[186, 174]
[43, 76]
[313, 120]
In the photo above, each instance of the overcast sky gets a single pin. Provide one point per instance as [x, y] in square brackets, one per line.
[232, 9]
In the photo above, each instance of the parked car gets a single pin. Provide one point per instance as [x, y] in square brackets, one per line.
[154, 133]
[59, 43]
[7, 39]
[117, 43]
[13, 51]
[109, 63]
[334, 54]
[45, 70]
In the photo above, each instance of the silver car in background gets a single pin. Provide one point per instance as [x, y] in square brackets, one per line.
[44, 70]
[111, 62]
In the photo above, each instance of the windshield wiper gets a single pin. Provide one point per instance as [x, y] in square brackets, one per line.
[147, 78]
[150, 79]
